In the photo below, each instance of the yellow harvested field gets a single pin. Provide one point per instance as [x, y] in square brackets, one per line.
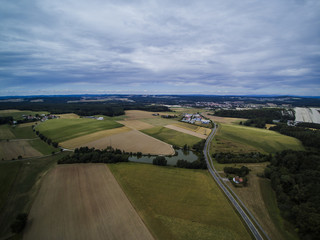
[133, 141]
[68, 116]
[83, 140]
[224, 119]
[194, 128]
[184, 130]
[138, 114]
[136, 124]
[270, 125]
[83, 201]
[14, 148]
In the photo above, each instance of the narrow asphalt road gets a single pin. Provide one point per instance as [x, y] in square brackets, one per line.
[218, 180]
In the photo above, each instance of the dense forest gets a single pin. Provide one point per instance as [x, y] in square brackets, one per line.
[253, 157]
[309, 138]
[91, 155]
[267, 114]
[295, 179]
[83, 109]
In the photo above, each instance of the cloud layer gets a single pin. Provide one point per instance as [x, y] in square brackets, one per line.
[210, 47]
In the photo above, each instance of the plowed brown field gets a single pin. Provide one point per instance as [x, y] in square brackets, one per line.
[83, 201]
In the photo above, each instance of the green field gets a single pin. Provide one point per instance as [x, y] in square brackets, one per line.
[171, 136]
[5, 132]
[236, 138]
[43, 147]
[8, 173]
[284, 228]
[20, 184]
[23, 132]
[60, 130]
[17, 114]
[179, 203]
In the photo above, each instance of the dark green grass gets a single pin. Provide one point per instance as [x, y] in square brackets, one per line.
[171, 136]
[23, 132]
[8, 173]
[43, 147]
[261, 140]
[24, 187]
[269, 197]
[60, 130]
[179, 203]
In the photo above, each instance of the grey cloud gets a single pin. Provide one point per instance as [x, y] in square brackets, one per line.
[226, 44]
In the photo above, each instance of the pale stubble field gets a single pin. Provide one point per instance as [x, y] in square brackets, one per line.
[83, 201]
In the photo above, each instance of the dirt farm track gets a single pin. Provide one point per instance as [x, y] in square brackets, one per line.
[83, 201]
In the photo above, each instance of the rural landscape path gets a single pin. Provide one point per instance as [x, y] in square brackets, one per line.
[230, 194]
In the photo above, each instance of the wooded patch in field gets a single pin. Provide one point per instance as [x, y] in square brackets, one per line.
[83, 201]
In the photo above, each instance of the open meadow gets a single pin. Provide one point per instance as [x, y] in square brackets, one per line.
[172, 136]
[60, 130]
[237, 138]
[179, 203]
[85, 202]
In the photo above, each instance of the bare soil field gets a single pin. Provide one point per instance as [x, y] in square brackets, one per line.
[83, 201]
[68, 116]
[138, 114]
[14, 148]
[224, 119]
[136, 124]
[184, 130]
[133, 141]
[83, 140]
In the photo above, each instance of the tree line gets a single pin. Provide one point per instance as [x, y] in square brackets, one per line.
[92, 155]
[45, 139]
[309, 138]
[295, 179]
[268, 114]
[83, 109]
[253, 157]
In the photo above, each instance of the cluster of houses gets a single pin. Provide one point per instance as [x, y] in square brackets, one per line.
[93, 117]
[194, 118]
[37, 117]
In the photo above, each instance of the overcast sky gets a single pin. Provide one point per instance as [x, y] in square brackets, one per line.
[160, 47]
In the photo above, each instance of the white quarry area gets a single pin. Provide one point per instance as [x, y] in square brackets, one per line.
[311, 115]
